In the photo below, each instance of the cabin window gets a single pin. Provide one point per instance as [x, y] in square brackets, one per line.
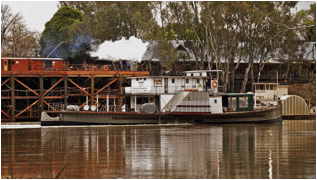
[243, 102]
[173, 80]
[200, 74]
[197, 80]
[262, 87]
[187, 80]
[192, 74]
[215, 101]
[268, 87]
[274, 87]
[53, 63]
[13, 62]
[137, 79]
[17, 62]
[144, 79]
[142, 100]
[139, 100]
[158, 82]
[5, 62]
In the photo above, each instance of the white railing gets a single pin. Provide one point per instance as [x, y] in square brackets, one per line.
[161, 89]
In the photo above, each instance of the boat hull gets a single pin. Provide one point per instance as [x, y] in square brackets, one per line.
[272, 114]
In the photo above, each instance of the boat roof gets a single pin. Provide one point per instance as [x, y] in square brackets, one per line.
[23, 58]
[238, 94]
[203, 71]
[167, 77]
[267, 83]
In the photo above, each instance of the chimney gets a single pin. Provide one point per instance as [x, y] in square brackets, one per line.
[177, 37]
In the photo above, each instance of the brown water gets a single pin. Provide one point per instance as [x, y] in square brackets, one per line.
[283, 150]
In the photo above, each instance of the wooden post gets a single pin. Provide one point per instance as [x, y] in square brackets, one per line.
[65, 89]
[92, 89]
[120, 89]
[12, 98]
[27, 94]
[41, 93]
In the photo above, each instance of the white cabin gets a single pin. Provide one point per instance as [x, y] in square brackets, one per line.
[156, 85]
[268, 93]
[160, 90]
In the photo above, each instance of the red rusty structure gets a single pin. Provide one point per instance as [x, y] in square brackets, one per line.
[31, 85]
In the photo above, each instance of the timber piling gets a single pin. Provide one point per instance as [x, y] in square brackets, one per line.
[25, 94]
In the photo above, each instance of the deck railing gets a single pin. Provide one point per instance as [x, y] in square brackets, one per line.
[83, 67]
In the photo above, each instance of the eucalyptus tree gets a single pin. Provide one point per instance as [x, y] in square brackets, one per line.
[253, 23]
[8, 20]
[220, 22]
[57, 35]
[114, 20]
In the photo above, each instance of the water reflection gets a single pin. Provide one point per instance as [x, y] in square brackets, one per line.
[285, 150]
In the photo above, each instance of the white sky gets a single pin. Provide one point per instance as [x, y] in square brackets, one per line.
[37, 13]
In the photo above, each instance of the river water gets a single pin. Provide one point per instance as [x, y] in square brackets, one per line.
[277, 150]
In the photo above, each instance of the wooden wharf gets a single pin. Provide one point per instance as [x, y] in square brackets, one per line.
[25, 94]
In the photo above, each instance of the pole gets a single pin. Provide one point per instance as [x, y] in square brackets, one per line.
[55, 48]
[65, 89]
[92, 89]
[107, 103]
[12, 98]
[114, 101]
[135, 104]
[97, 103]
[277, 87]
[41, 92]
[120, 89]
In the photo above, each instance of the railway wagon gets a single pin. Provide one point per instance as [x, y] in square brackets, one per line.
[31, 64]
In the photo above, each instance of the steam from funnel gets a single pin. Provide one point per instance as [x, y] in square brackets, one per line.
[132, 49]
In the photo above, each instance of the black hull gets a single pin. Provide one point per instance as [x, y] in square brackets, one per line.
[270, 115]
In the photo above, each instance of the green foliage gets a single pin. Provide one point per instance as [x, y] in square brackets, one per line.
[167, 53]
[63, 27]
[115, 20]
[308, 18]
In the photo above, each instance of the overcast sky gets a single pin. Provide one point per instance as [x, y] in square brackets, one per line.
[37, 13]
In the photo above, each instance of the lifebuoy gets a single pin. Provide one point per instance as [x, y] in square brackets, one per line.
[105, 68]
[214, 83]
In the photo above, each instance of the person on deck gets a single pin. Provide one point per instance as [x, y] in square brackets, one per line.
[128, 65]
[119, 65]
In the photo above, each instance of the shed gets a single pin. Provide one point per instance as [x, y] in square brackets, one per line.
[294, 105]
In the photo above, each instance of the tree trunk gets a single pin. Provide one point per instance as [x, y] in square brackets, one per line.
[226, 81]
[287, 70]
[259, 73]
[245, 80]
[232, 81]
[202, 59]
[252, 77]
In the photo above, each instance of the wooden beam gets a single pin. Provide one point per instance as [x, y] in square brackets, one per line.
[65, 89]
[27, 87]
[5, 81]
[120, 89]
[49, 105]
[77, 86]
[92, 80]
[12, 98]
[52, 86]
[27, 107]
[41, 92]
[106, 86]
[5, 114]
